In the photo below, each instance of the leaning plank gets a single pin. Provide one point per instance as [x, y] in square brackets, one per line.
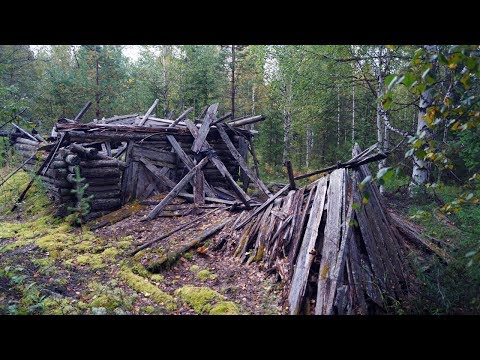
[241, 161]
[307, 254]
[20, 167]
[181, 117]
[205, 128]
[41, 170]
[175, 191]
[209, 199]
[220, 166]
[170, 258]
[24, 132]
[263, 206]
[153, 169]
[147, 114]
[188, 162]
[248, 120]
[83, 111]
[333, 250]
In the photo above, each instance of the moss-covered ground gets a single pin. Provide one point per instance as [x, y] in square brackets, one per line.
[49, 265]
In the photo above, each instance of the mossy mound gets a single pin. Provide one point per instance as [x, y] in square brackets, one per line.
[225, 308]
[201, 299]
[143, 286]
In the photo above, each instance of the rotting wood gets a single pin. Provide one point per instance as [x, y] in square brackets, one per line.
[307, 253]
[175, 191]
[83, 111]
[239, 158]
[205, 128]
[291, 178]
[181, 117]
[24, 132]
[147, 114]
[185, 226]
[171, 258]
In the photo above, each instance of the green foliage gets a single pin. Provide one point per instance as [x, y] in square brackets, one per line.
[82, 207]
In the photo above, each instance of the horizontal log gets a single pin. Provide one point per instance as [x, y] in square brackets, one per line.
[22, 140]
[72, 159]
[96, 214]
[58, 164]
[99, 163]
[25, 147]
[104, 204]
[104, 194]
[101, 188]
[85, 152]
[59, 183]
[93, 173]
[57, 173]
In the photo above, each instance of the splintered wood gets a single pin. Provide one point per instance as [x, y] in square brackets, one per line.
[335, 253]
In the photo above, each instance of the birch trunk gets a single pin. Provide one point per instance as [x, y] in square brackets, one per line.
[420, 168]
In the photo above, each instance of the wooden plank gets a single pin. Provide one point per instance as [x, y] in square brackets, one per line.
[27, 141]
[332, 243]
[263, 206]
[220, 166]
[188, 162]
[207, 198]
[239, 158]
[181, 117]
[298, 222]
[147, 114]
[159, 175]
[291, 178]
[248, 120]
[175, 191]
[205, 128]
[198, 189]
[30, 136]
[154, 154]
[83, 111]
[307, 254]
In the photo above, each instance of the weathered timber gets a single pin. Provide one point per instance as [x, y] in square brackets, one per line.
[100, 163]
[291, 178]
[205, 128]
[239, 158]
[84, 152]
[263, 206]
[104, 194]
[220, 166]
[307, 250]
[72, 159]
[90, 173]
[30, 136]
[248, 120]
[165, 180]
[147, 114]
[170, 258]
[198, 189]
[175, 191]
[59, 164]
[181, 117]
[332, 236]
[185, 226]
[24, 141]
[207, 198]
[83, 111]
[104, 204]
[102, 188]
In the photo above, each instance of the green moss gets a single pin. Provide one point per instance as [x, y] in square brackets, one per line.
[94, 260]
[142, 285]
[110, 253]
[14, 245]
[108, 301]
[157, 277]
[124, 244]
[54, 306]
[149, 309]
[194, 268]
[188, 256]
[225, 308]
[201, 299]
[203, 275]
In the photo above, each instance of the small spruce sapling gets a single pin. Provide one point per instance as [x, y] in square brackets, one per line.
[82, 207]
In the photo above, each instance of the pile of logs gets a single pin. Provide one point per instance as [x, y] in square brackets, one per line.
[26, 145]
[337, 252]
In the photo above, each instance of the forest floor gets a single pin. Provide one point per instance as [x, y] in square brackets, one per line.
[47, 266]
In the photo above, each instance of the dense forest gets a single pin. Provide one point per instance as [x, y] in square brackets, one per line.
[419, 104]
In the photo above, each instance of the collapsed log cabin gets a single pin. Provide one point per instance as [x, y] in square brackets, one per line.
[336, 252]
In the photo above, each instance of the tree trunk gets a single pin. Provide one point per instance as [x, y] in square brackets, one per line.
[338, 117]
[287, 121]
[166, 109]
[420, 168]
[97, 89]
[233, 82]
[353, 114]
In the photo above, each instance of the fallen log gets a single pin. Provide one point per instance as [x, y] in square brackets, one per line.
[249, 120]
[147, 114]
[170, 258]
